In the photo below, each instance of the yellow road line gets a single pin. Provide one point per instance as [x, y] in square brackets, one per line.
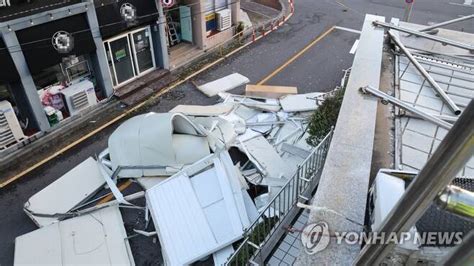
[296, 56]
[97, 130]
[110, 196]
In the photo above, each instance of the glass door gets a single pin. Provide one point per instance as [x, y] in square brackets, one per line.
[121, 60]
[142, 50]
[130, 55]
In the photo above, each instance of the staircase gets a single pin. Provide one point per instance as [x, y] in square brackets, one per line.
[140, 89]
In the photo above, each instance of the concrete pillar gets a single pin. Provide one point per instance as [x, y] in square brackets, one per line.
[159, 39]
[11, 41]
[103, 75]
[235, 10]
[199, 24]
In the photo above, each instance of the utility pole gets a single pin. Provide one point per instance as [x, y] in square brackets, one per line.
[408, 9]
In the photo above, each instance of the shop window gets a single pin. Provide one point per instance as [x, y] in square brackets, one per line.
[5, 94]
[211, 7]
[71, 69]
[215, 5]
[211, 23]
[66, 88]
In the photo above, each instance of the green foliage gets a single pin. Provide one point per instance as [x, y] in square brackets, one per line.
[324, 118]
[257, 236]
[240, 27]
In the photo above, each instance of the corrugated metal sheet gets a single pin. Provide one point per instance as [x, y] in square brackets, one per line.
[198, 215]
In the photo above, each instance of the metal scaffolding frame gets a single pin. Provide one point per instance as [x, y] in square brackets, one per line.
[401, 104]
[462, 254]
[451, 155]
[442, 40]
[435, 26]
[425, 74]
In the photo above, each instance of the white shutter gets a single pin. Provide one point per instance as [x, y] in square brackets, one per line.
[208, 6]
[220, 4]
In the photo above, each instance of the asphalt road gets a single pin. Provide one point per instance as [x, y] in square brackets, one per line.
[319, 69]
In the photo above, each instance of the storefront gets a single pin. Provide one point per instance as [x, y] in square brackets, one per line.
[60, 62]
[192, 24]
[132, 47]
[130, 55]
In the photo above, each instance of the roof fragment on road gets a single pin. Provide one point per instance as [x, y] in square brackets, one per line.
[196, 165]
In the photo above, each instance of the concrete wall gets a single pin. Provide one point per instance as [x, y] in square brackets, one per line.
[218, 38]
[199, 25]
[340, 200]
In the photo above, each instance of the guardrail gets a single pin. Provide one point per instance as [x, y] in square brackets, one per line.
[259, 238]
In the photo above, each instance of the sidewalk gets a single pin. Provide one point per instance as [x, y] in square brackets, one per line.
[54, 143]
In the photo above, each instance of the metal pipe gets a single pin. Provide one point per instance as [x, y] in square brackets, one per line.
[458, 201]
[463, 254]
[425, 74]
[408, 10]
[449, 158]
[449, 119]
[434, 26]
[427, 36]
[401, 104]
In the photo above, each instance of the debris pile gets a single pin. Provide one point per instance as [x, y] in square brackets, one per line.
[204, 171]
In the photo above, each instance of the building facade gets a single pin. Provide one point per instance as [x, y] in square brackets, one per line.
[61, 57]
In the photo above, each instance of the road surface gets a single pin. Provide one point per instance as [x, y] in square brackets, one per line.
[318, 69]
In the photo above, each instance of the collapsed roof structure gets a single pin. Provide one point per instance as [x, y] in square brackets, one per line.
[205, 171]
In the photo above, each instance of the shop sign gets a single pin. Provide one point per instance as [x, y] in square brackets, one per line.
[62, 41]
[128, 12]
[120, 54]
[5, 3]
[168, 3]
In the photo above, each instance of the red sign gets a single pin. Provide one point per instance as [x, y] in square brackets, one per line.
[168, 3]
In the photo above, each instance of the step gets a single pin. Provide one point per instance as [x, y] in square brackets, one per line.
[140, 83]
[259, 9]
[150, 89]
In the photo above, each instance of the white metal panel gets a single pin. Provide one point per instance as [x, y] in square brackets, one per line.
[200, 110]
[97, 238]
[301, 102]
[198, 215]
[236, 187]
[189, 149]
[266, 156]
[32, 248]
[147, 140]
[388, 190]
[226, 83]
[204, 183]
[220, 257]
[181, 224]
[72, 188]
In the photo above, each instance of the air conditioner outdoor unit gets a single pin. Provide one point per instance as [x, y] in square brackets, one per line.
[10, 129]
[224, 19]
[79, 96]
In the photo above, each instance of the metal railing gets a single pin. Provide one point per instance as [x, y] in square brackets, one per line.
[272, 217]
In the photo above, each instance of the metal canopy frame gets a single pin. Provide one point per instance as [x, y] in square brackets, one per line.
[451, 155]
[385, 97]
[425, 74]
[448, 22]
[442, 40]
